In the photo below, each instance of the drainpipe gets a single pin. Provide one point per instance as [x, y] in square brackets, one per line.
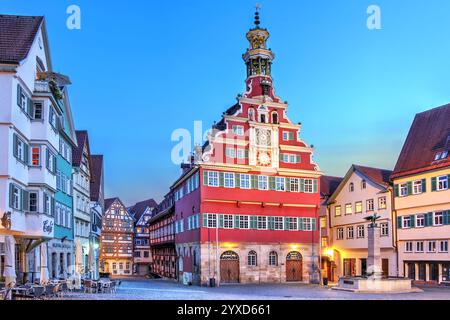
[394, 228]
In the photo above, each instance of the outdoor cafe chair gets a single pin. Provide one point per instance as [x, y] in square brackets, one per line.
[48, 293]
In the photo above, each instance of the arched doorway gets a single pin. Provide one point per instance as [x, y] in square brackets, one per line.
[229, 267]
[294, 266]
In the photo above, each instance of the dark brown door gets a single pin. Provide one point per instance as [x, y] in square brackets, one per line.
[385, 267]
[229, 267]
[294, 267]
[349, 267]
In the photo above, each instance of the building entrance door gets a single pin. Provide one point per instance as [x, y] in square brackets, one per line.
[434, 272]
[385, 267]
[294, 267]
[411, 271]
[349, 267]
[229, 267]
[363, 267]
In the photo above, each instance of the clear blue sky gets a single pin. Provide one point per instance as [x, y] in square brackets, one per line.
[141, 69]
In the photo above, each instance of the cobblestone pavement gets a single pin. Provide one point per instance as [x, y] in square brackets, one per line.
[143, 289]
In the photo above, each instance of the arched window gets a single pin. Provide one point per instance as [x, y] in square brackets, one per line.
[252, 259]
[363, 184]
[251, 114]
[273, 258]
[263, 114]
[352, 187]
[275, 118]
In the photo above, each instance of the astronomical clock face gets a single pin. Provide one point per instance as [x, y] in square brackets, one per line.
[264, 159]
[263, 137]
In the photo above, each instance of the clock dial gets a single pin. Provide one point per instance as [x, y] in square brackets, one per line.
[264, 159]
[263, 137]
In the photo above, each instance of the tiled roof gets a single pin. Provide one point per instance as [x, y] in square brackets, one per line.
[329, 184]
[96, 176]
[77, 152]
[139, 208]
[380, 176]
[429, 134]
[17, 34]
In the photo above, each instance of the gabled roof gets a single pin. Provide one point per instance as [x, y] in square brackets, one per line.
[110, 201]
[429, 133]
[139, 208]
[96, 176]
[380, 177]
[16, 36]
[329, 184]
[77, 152]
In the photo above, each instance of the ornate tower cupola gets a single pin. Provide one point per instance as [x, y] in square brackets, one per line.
[258, 57]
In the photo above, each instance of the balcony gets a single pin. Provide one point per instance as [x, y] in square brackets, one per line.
[41, 86]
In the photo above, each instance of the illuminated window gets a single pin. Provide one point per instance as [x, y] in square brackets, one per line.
[348, 209]
[337, 211]
[382, 204]
[358, 207]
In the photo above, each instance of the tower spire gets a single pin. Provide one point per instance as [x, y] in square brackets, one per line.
[257, 20]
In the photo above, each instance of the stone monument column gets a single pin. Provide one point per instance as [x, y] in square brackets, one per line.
[374, 268]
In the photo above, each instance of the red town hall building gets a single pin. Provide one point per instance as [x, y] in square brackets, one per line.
[246, 206]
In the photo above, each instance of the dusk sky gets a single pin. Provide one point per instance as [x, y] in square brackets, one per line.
[141, 69]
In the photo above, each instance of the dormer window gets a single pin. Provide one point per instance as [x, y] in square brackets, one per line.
[437, 157]
[444, 154]
[275, 118]
[352, 187]
[251, 114]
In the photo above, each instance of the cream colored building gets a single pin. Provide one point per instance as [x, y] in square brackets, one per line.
[422, 199]
[363, 192]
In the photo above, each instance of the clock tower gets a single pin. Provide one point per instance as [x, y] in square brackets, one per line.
[258, 199]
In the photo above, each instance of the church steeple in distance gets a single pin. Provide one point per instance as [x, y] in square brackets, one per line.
[258, 58]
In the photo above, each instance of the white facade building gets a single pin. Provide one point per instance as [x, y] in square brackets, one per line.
[29, 139]
[82, 204]
[363, 192]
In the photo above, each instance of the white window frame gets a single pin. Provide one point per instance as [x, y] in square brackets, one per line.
[292, 223]
[370, 203]
[244, 222]
[280, 184]
[432, 246]
[438, 216]
[309, 186]
[406, 222]
[228, 221]
[240, 153]
[420, 246]
[350, 232]
[443, 246]
[361, 232]
[245, 181]
[294, 185]
[278, 223]
[230, 152]
[409, 246]
[263, 183]
[213, 176]
[417, 187]
[442, 183]
[420, 221]
[238, 130]
[340, 234]
[384, 229]
[228, 180]
[403, 189]
[262, 223]
[382, 203]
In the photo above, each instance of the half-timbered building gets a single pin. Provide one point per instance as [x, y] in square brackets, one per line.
[162, 239]
[142, 212]
[116, 245]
